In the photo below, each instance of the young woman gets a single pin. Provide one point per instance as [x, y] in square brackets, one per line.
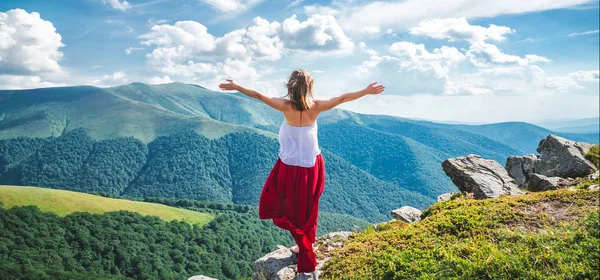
[291, 193]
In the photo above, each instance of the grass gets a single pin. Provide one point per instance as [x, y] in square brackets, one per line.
[593, 155]
[64, 203]
[547, 235]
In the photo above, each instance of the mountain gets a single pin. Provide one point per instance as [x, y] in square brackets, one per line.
[185, 165]
[185, 141]
[586, 125]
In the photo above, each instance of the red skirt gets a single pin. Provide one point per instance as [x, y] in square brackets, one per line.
[290, 197]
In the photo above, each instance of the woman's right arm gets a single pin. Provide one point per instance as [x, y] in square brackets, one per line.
[324, 105]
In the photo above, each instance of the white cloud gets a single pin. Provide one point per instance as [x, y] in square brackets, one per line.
[320, 10]
[227, 6]
[317, 33]
[28, 44]
[585, 76]
[295, 3]
[405, 14]
[583, 33]
[159, 80]
[129, 50]
[187, 49]
[24, 82]
[482, 54]
[114, 79]
[455, 29]
[370, 29]
[415, 57]
[118, 5]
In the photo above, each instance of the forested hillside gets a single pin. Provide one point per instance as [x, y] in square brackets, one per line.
[186, 165]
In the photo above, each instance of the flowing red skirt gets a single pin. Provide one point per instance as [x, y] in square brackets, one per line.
[290, 197]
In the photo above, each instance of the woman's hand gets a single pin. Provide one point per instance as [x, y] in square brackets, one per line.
[230, 85]
[374, 88]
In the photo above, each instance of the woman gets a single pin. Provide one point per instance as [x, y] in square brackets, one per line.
[291, 193]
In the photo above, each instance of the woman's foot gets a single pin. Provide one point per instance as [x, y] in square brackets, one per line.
[295, 249]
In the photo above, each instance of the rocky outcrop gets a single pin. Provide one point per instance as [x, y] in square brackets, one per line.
[564, 158]
[201, 277]
[281, 263]
[540, 183]
[484, 178]
[407, 214]
[446, 196]
[520, 167]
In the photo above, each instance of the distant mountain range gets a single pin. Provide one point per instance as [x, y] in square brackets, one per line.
[587, 125]
[185, 141]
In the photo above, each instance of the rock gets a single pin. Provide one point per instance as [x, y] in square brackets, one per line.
[594, 188]
[539, 183]
[484, 178]
[281, 263]
[201, 277]
[593, 176]
[520, 167]
[278, 264]
[407, 214]
[564, 158]
[446, 196]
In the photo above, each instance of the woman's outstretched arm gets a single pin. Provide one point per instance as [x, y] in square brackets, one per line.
[324, 105]
[274, 102]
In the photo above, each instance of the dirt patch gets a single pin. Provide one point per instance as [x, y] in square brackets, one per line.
[540, 214]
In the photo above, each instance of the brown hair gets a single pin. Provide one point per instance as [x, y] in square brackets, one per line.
[300, 89]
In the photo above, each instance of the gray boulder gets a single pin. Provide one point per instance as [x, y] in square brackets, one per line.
[594, 188]
[281, 263]
[564, 158]
[407, 214]
[540, 183]
[520, 167]
[446, 196]
[484, 178]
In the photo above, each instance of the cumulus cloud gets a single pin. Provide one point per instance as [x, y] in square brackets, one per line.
[28, 44]
[227, 6]
[188, 49]
[482, 54]
[455, 29]
[370, 29]
[159, 80]
[416, 57]
[317, 33]
[118, 5]
[114, 79]
[24, 82]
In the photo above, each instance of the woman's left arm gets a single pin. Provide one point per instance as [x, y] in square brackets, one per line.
[274, 102]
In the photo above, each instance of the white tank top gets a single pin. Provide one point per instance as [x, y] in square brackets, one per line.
[298, 145]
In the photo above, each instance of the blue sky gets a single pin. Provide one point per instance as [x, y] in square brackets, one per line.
[458, 60]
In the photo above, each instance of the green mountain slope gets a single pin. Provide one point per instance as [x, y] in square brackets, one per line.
[66, 202]
[104, 113]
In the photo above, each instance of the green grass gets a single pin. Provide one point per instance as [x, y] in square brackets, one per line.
[593, 155]
[548, 235]
[66, 202]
